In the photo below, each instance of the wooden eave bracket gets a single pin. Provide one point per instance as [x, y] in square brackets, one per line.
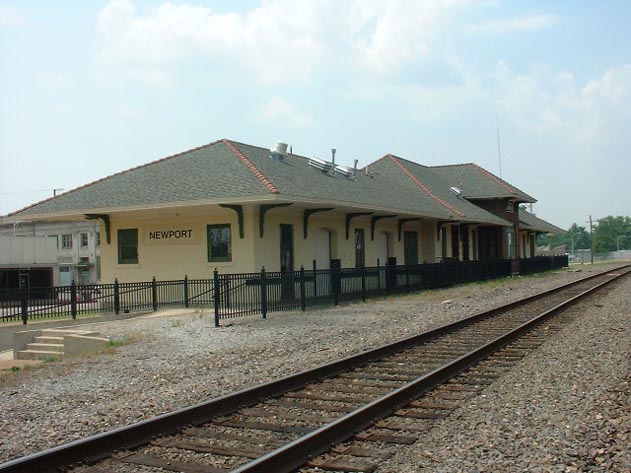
[263, 210]
[440, 225]
[105, 218]
[239, 210]
[305, 218]
[351, 216]
[403, 221]
[373, 223]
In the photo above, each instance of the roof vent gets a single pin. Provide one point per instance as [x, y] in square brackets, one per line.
[345, 171]
[455, 190]
[322, 165]
[280, 147]
[278, 152]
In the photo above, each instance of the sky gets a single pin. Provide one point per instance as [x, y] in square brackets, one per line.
[91, 88]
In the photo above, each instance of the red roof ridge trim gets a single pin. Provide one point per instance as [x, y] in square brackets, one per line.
[450, 165]
[424, 187]
[115, 174]
[501, 182]
[250, 165]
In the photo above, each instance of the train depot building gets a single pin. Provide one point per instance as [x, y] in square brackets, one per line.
[238, 208]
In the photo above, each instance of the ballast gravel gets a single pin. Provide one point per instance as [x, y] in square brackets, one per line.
[564, 408]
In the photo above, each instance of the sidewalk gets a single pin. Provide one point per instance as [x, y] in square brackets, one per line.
[7, 362]
[8, 329]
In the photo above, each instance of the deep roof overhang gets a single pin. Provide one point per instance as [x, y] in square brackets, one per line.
[193, 207]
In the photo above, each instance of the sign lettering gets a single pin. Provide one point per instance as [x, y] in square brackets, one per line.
[171, 234]
[186, 234]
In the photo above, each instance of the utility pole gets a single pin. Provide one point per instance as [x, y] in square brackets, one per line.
[618, 238]
[591, 238]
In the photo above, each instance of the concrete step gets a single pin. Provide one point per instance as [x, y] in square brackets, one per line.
[54, 340]
[50, 347]
[38, 355]
[58, 332]
[56, 343]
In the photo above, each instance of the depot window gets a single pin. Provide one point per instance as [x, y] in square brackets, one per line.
[219, 242]
[128, 246]
[66, 242]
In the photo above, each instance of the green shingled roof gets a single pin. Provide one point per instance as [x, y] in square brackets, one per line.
[226, 171]
[294, 177]
[207, 172]
[528, 221]
[428, 184]
[478, 183]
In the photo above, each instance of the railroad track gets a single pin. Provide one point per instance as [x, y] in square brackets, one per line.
[343, 416]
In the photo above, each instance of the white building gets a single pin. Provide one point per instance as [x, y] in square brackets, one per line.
[42, 253]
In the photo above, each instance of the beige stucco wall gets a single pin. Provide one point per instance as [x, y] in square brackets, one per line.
[171, 259]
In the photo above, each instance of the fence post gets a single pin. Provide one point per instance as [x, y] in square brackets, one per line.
[263, 293]
[73, 299]
[24, 304]
[303, 296]
[407, 278]
[378, 275]
[154, 294]
[362, 274]
[227, 291]
[315, 279]
[216, 295]
[335, 282]
[117, 299]
[186, 290]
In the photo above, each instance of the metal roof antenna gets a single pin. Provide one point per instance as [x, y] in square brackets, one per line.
[499, 149]
[333, 150]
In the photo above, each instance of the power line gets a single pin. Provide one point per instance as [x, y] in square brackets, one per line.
[28, 192]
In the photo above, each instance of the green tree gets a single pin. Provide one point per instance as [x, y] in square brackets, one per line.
[579, 236]
[612, 233]
[576, 236]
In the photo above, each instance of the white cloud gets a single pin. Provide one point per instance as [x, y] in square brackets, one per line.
[550, 102]
[11, 16]
[613, 87]
[280, 111]
[278, 41]
[386, 36]
[444, 100]
[512, 25]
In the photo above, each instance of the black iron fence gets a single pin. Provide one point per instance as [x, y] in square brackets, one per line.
[542, 263]
[235, 295]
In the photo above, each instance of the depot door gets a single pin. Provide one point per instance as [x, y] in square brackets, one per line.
[287, 260]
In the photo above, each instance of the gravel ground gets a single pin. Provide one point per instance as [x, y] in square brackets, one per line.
[565, 408]
[171, 361]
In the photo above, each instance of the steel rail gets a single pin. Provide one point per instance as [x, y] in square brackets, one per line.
[100, 446]
[295, 454]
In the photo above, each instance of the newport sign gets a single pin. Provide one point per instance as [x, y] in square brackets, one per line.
[170, 235]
